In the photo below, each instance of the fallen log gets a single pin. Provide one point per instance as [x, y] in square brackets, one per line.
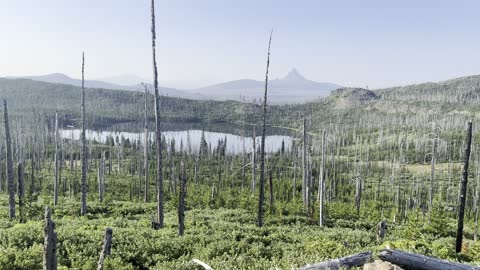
[355, 260]
[421, 262]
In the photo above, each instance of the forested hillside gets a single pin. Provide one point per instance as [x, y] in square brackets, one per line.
[358, 157]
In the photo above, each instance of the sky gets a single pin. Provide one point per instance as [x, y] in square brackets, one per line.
[200, 42]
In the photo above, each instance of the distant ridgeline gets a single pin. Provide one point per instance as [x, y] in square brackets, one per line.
[416, 105]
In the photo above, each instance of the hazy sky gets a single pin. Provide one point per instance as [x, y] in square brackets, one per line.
[353, 43]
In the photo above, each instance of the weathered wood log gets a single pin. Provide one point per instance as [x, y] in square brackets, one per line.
[106, 247]
[50, 242]
[355, 260]
[202, 264]
[421, 262]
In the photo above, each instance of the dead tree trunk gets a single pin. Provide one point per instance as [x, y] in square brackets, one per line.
[304, 163]
[158, 133]
[477, 190]
[145, 148]
[101, 179]
[254, 161]
[321, 184]
[10, 183]
[432, 176]
[55, 183]
[270, 185]
[420, 262]
[463, 189]
[21, 190]
[50, 242]
[355, 260]
[262, 146]
[181, 201]
[358, 194]
[32, 174]
[106, 247]
[83, 210]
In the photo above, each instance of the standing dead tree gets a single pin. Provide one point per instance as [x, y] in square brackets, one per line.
[55, 183]
[262, 146]
[10, 183]
[101, 178]
[304, 165]
[21, 190]
[158, 132]
[50, 242]
[145, 147]
[463, 189]
[321, 184]
[270, 187]
[106, 247]
[83, 209]
[181, 199]
[254, 161]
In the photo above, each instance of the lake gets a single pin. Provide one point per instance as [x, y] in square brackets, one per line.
[235, 143]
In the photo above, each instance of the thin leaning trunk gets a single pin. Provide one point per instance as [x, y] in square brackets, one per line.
[262, 149]
[158, 133]
[83, 210]
[10, 183]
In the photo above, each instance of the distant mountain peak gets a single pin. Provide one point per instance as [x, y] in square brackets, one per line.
[294, 75]
[56, 75]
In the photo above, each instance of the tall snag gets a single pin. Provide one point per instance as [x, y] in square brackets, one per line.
[254, 160]
[145, 148]
[21, 191]
[463, 189]
[83, 209]
[304, 165]
[181, 199]
[55, 183]
[262, 149]
[158, 133]
[10, 183]
[321, 184]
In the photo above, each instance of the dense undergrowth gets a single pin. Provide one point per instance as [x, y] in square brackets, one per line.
[218, 234]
